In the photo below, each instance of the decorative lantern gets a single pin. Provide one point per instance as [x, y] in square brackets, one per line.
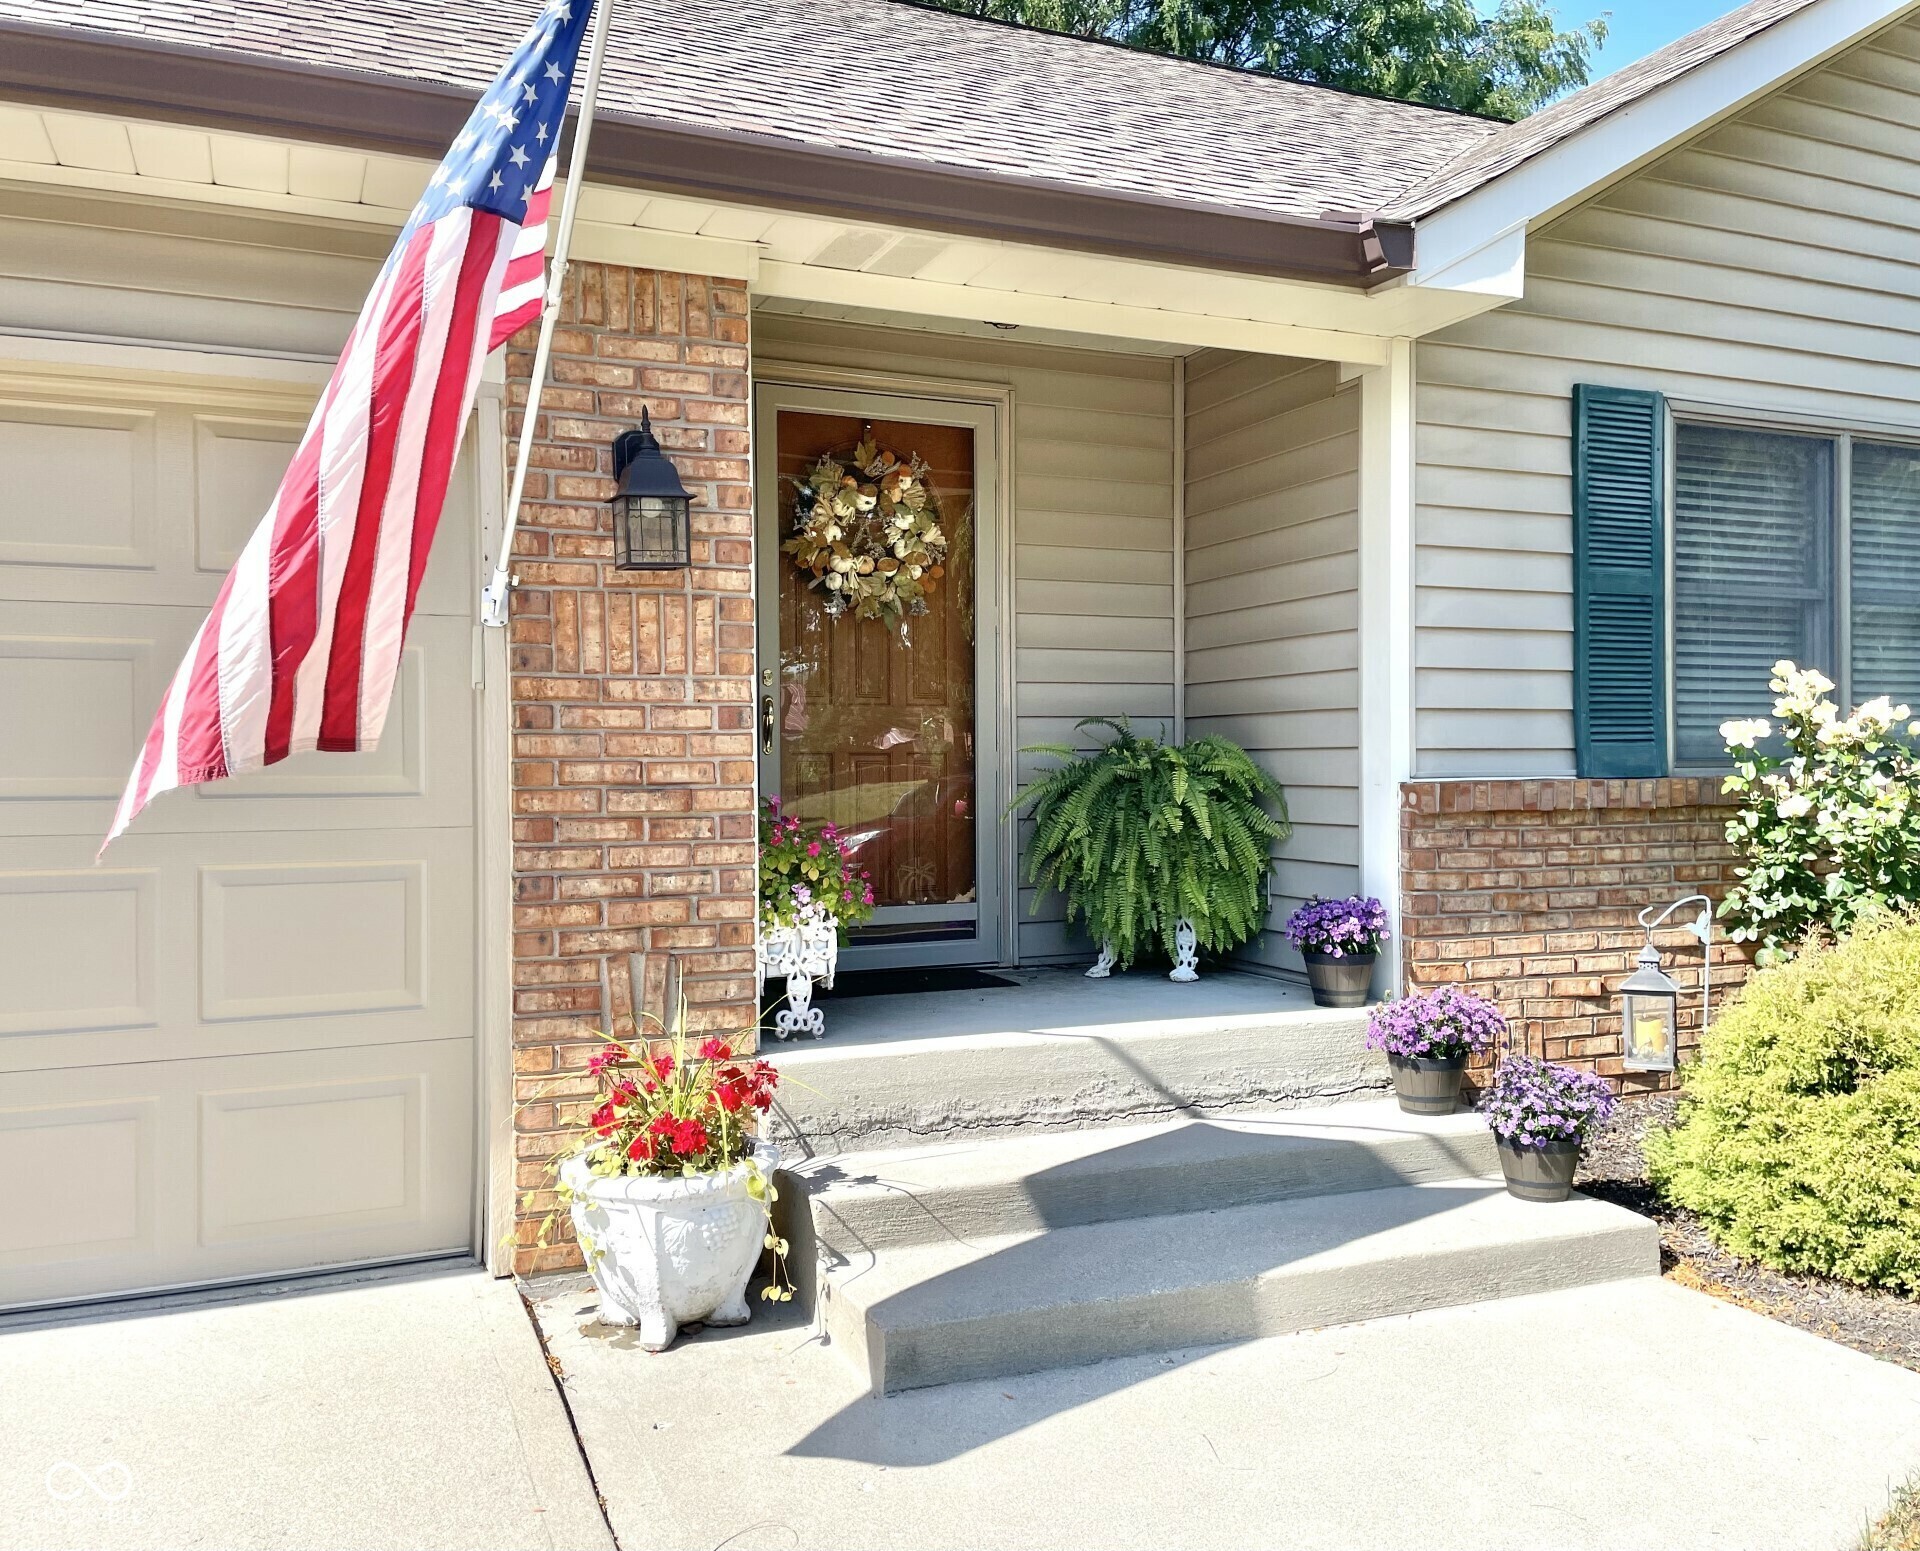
[650, 509]
[1649, 1008]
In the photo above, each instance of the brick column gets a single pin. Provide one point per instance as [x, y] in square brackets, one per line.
[633, 776]
[1528, 891]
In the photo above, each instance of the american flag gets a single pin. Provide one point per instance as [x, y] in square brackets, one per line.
[303, 644]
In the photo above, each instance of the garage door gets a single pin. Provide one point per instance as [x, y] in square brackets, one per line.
[243, 1044]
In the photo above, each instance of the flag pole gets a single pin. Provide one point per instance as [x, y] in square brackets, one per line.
[493, 597]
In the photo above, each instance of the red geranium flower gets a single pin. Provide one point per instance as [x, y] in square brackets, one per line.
[640, 1149]
[689, 1137]
[715, 1050]
[761, 1081]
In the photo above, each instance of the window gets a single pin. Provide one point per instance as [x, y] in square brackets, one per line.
[1788, 545]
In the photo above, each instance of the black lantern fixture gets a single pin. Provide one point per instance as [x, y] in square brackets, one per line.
[651, 507]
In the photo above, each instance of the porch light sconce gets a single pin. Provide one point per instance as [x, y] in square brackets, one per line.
[1650, 1000]
[651, 507]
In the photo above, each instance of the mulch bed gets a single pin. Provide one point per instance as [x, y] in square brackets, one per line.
[1879, 1324]
[1900, 1529]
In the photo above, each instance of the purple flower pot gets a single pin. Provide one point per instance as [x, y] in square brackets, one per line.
[1340, 982]
[1539, 1173]
[1428, 1085]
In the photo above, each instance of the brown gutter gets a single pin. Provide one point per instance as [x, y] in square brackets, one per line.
[64, 67]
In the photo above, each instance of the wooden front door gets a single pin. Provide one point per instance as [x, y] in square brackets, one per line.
[884, 726]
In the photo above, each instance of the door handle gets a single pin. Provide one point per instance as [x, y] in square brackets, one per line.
[766, 724]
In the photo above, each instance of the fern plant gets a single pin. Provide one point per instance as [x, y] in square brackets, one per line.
[1140, 833]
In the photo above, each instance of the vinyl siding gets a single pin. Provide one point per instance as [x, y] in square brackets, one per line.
[1090, 532]
[94, 267]
[1772, 265]
[1272, 606]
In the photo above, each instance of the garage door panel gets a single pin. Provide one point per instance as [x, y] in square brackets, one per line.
[73, 702]
[235, 1167]
[80, 488]
[237, 468]
[310, 1157]
[150, 502]
[82, 943]
[39, 1222]
[312, 939]
[394, 768]
[87, 679]
[259, 943]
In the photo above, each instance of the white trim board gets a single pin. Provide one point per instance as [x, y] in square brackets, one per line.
[804, 257]
[1386, 595]
[941, 299]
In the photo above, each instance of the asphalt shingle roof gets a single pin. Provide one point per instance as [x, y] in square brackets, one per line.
[883, 78]
[900, 80]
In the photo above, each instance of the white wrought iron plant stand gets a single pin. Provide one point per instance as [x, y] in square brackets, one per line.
[803, 954]
[1186, 955]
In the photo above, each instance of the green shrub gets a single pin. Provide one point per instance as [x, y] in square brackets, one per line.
[1798, 1138]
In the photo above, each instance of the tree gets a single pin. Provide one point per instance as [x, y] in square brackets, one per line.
[1440, 52]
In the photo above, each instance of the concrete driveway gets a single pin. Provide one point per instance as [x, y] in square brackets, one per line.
[1631, 1416]
[419, 1411]
[412, 1411]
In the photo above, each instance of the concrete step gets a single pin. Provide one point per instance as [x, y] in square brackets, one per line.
[932, 1313]
[1060, 1052]
[971, 1189]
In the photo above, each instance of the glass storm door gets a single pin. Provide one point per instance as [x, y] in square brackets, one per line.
[885, 726]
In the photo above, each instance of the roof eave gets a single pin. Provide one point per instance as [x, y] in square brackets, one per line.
[84, 71]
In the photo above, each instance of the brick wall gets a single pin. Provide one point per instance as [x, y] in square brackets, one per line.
[1528, 890]
[633, 775]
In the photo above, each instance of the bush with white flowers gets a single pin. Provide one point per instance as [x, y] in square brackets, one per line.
[1829, 825]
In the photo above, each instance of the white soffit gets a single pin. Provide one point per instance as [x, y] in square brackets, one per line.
[810, 260]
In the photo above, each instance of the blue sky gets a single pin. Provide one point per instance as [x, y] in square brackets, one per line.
[1638, 27]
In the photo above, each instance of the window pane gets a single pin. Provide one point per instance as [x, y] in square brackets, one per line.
[1753, 518]
[1886, 572]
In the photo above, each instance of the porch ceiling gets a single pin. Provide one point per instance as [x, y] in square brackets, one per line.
[809, 260]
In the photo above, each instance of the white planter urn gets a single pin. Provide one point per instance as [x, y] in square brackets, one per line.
[667, 1251]
[803, 954]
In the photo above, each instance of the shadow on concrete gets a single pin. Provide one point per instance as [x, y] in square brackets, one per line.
[960, 1320]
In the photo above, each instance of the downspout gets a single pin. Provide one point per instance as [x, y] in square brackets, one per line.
[1180, 549]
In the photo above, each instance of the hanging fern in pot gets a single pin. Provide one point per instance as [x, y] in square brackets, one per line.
[1141, 835]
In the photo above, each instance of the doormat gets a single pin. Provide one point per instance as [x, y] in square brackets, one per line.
[897, 982]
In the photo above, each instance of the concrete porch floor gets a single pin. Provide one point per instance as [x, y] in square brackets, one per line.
[1057, 1049]
[1056, 999]
[1633, 1416]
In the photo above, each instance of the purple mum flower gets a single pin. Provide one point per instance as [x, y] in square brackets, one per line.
[1339, 926]
[1533, 1103]
[1442, 1023]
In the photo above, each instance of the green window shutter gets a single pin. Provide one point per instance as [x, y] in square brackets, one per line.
[1619, 582]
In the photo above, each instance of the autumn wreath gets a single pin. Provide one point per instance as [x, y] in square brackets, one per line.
[867, 533]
